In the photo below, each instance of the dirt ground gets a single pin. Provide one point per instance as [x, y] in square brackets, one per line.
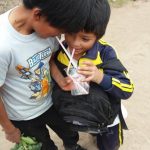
[129, 32]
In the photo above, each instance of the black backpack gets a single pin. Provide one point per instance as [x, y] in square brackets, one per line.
[89, 113]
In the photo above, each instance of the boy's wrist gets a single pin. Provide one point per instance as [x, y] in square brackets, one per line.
[14, 135]
[12, 132]
[9, 128]
[99, 78]
[106, 82]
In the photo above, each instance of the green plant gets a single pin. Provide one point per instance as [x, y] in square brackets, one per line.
[118, 3]
[8, 4]
[27, 143]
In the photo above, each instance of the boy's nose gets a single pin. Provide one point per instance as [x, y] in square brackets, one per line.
[76, 43]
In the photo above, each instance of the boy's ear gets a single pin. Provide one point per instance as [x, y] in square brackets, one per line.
[36, 13]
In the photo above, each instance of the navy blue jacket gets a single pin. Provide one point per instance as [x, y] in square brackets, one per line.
[116, 82]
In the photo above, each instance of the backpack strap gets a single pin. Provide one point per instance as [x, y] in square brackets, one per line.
[123, 123]
[115, 64]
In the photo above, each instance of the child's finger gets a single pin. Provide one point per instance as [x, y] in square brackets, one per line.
[88, 79]
[87, 63]
[86, 68]
[85, 72]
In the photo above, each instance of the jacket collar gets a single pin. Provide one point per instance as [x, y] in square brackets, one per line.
[91, 53]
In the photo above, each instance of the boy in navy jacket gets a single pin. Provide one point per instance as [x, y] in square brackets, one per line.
[90, 52]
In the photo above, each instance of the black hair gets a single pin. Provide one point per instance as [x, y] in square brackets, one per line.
[98, 18]
[69, 15]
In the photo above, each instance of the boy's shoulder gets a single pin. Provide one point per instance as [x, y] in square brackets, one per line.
[4, 46]
[104, 49]
[103, 45]
[5, 43]
[100, 46]
[3, 27]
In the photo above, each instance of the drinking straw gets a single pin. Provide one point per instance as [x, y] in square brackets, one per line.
[76, 83]
[73, 63]
[71, 60]
[67, 53]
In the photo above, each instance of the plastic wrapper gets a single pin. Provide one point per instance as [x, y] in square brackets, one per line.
[79, 87]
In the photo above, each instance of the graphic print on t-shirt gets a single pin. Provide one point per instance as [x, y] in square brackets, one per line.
[38, 73]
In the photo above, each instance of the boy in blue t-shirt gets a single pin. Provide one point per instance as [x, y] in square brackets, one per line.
[27, 43]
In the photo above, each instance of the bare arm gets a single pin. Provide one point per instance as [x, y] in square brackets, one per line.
[12, 133]
[55, 73]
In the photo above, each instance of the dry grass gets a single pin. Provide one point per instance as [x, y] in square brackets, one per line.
[7, 4]
[118, 3]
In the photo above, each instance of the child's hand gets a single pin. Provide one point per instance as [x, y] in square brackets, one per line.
[91, 72]
[67, 84]
[13, 136]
